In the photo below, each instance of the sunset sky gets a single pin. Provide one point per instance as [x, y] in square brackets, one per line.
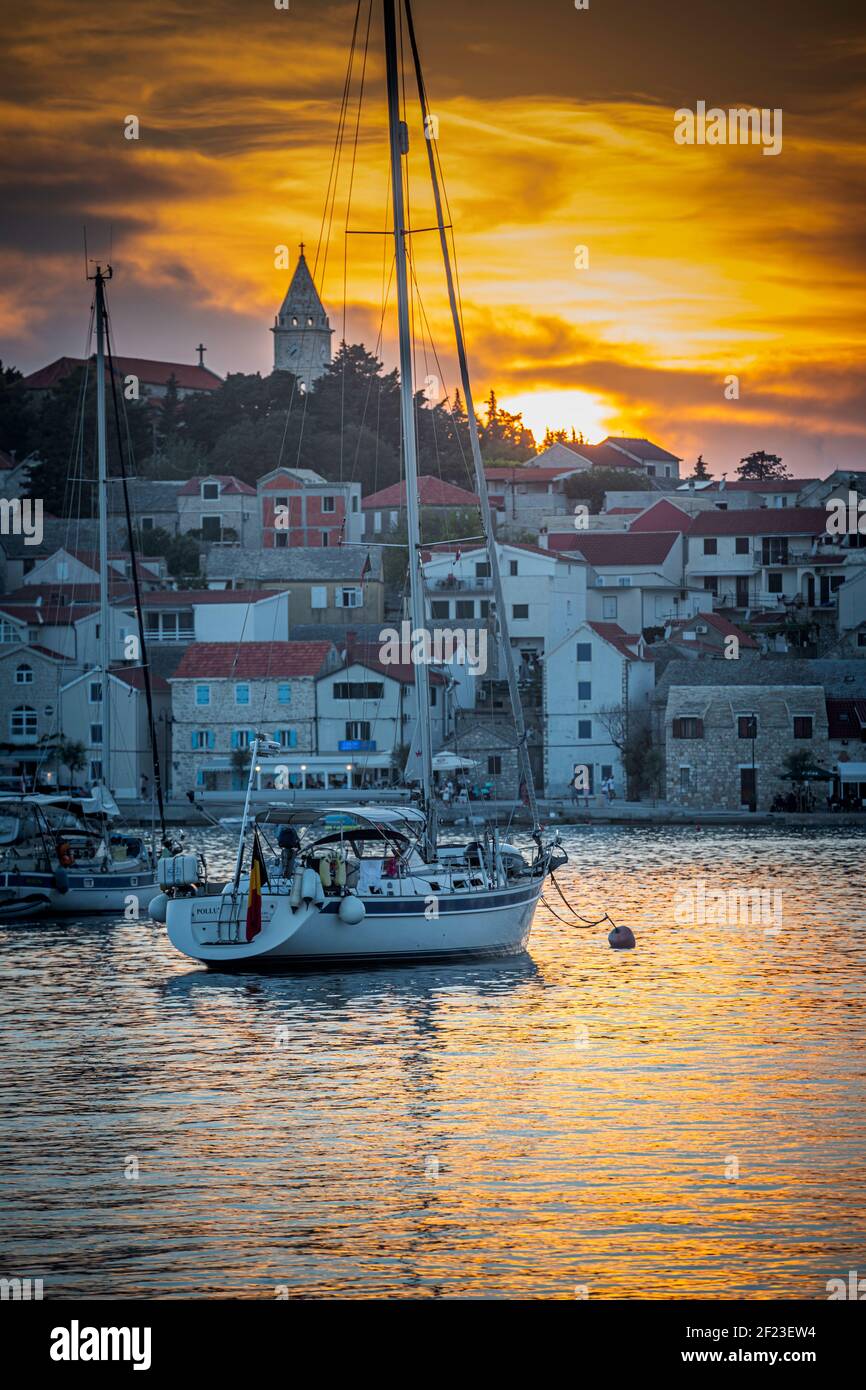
[555, 131]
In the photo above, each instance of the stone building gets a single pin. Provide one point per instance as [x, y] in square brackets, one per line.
[223, 693]
[302, 333]
[725, 745]
[492, 747]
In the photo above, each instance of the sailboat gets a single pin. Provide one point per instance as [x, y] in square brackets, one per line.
[65, 854]
[371, 883]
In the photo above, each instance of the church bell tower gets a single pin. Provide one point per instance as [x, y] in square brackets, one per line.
[302, 334]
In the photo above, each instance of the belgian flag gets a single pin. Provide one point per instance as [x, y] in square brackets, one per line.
[258, 881]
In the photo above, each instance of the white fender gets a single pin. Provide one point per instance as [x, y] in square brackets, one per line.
[158, 907]
[340, 874]
[352, 910]
[325, 871]
[297, 883]
[311, 886]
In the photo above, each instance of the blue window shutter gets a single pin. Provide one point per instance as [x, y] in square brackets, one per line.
[234, 738]
[211, 738]
[193, 738]
[293, 738]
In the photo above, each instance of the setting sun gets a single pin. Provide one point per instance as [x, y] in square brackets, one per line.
[563, 410]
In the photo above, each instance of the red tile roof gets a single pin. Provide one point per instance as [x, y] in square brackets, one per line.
[624, 547]
[620, 639]
[367, 655]
[642, 448]
[229, 484]
[605, 456]
[252, 660]
[186, 598]
[151, 373]
[432, 492]
[717, 621]
[134, 677]
[525, 473]
[34, 647]
[662, 516]
[761, 521]
[623, 511]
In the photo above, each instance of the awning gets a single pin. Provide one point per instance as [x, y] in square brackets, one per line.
[852, 772]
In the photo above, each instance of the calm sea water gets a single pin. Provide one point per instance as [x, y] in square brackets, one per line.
[686, 1119]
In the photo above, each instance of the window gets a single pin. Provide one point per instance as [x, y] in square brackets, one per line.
[494, 765]
[94, 695]
[440, 608]
[281, 504]
[210, 492]
[354, 502]
[318, 596]
[584, 690]
[242, 738]
[741, 545]
[606, 771]
[650, 470]
[482, 569]
[584, 651]
[202, 739]
[146, 523]
[688, 728]
[359, 690]
[211, 528]
[284, 693]
[96, 734]
[711, 545]
[24, 675]
[432, 696]
[96, 770]
[747, 726]
[23, 722]
[326, 540]
[350, 598]
[624, 581]
[774, 550]
[519, 610]
[377, 521]
[711, 583]
[328, 504]
[484, 608]
[281, 540]
[170, 625]
[584, 728]
[464, 608]
[242, 694]
[287, 738]
[8, 633]
[608, 607]
[685, 779]
[512, 566]
[202, 694]
[803, 726]
[861, 639]
[774, 582]
[358, 730]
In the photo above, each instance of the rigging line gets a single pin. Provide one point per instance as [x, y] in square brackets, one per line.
[145, 663]
[338, 140]
[348, 215]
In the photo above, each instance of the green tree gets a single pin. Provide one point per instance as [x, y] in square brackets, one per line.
[181, 553]
[701, 473]
[763, 466]
[591, 486]
[17, 414]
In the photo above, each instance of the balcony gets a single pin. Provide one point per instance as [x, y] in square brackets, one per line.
[453, 585]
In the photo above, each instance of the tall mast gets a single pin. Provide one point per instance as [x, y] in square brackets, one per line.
[102, 498]
[399, 140]
[501, 624]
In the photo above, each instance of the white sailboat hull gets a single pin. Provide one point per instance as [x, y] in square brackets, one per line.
[109, 893]
[484, 923]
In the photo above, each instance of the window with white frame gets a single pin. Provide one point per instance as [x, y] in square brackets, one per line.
[350, 598]
[94, 693]
[8, 632]
[287, 738]
[328, 504]
[23, 722]
[357, 730]
[210, 492]
[95, 735]
[202, 739]
[242, 738]
[24, 674]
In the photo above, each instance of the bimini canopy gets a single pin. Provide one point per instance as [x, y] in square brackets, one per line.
[852, 772]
